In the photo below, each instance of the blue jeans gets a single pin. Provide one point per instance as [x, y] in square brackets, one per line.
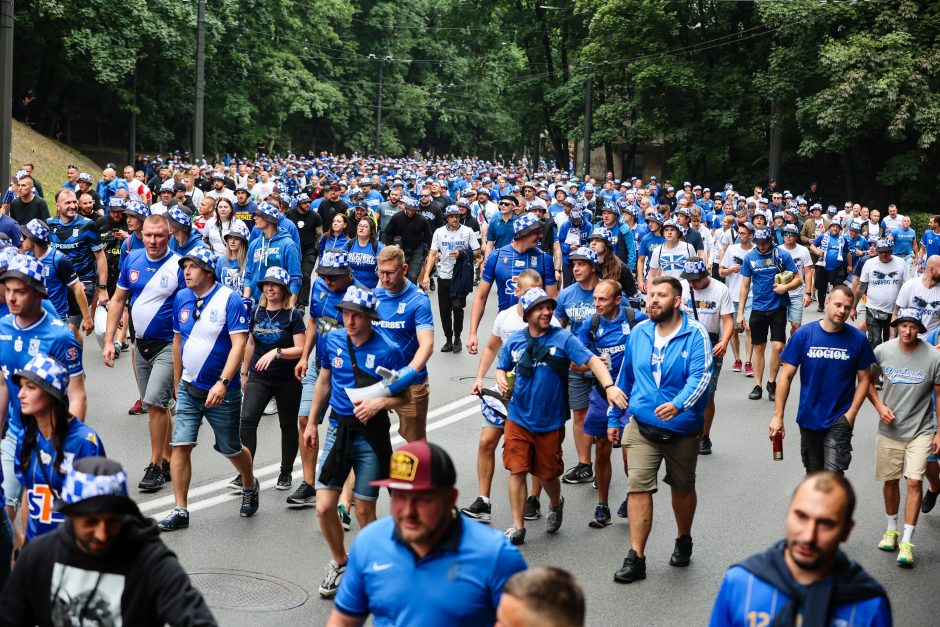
[224, 419]
[309, 383]
[361, 458]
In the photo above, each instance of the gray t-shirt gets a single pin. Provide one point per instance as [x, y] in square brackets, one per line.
[909, 381]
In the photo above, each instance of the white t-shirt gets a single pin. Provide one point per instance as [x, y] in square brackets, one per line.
[711, 304]
[446, 241]
[718, 242]
[195, 195]
[892, 223]
[138, 191]
[508, 321]
[914, 295]
[262, 190]
[884, 282]
[672, 260]
[802, 259]
[225, 193]
[659, 348]
[731, 258]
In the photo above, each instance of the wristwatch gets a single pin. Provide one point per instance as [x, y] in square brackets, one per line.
[224, 381]
[102, 287]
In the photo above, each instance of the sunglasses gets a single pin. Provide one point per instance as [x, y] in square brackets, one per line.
[505, 203]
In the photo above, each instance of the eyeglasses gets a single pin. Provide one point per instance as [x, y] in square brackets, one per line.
[789, 234]
[388, 272]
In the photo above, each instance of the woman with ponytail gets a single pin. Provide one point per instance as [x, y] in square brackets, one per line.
[52, 439]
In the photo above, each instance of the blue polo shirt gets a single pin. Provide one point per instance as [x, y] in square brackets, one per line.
[903, 241]
[539, 402]
[459, 583]
[500, 232]
[762, 269]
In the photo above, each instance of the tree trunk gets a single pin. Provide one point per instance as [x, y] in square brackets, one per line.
[608, 158]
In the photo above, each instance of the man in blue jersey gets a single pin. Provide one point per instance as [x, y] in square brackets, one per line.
[358, 434]
[805, 579]
[605, 334]
[419, 547]
[24, 333]
[77, 237]
[770, 300]
[541, 355]
[575, 307]
[405, 318]
[503, 266]
[61, 279]
[210, 332]
[667, 372]
[830, 356]
[327, 292]
[149, 280]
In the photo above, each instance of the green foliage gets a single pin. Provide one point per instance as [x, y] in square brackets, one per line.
[851, 87]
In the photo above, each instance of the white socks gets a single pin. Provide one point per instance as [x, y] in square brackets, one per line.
[892, 522]
[908, 533]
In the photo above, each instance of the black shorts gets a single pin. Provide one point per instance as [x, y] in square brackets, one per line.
[774, 320]
[827, 449]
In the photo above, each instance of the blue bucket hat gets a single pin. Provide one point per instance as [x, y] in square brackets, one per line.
[47, 373]
[532, 297]
[202, 257]
[361, 300]
[27, 269]
[95, 485]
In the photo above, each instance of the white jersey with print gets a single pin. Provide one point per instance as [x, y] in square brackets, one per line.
[884, 282]
[803, 260]
[735, 256]
[672, 260]
[445, 241]
[710, 304]
[926, 300]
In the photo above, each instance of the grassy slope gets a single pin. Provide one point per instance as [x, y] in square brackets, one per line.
[49, 157]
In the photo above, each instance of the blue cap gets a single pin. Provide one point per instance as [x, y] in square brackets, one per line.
[762, 235]
[655, 217]
[791, 229]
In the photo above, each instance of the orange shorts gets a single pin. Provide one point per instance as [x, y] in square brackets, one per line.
[538, 454]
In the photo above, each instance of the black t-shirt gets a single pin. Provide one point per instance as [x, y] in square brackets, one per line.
[272, 330]
[105, 226]
[307, 225]
[23, 212]
[432, 214]
[413, 232]
[327, 209]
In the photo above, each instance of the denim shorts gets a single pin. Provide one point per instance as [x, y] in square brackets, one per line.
[224, 419]
[795, 310]
[717, 362]
[12, 489]
[360, 458]
[580, 385]
[747, 310]
[309, 383]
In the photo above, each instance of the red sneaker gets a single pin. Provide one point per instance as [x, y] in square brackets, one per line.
[748, 370]
[136, 409]
[736, 366]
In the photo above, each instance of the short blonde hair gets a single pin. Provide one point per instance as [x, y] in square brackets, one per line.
[391, 253]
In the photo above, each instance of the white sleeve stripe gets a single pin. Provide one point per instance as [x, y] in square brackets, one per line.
[704, 382]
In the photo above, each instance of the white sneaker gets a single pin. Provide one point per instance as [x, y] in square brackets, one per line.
[270, 408]
[330, 583]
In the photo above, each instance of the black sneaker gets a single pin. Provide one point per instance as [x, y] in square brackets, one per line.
[930, 499]
[622, 510]
[250, 500]
[447, 347]
[756, 393]
[235, 484]
[304, 496]
[705, 446]
[682, 554]
[819, 308]
[125, 347]
[533, 509]
[458, 347]
[582, 473]
[431, 285]
[633, 569]
[555, 515]
[479, 510]
[178, 519]
[771, 391]
[165, 468]
[283, 481]
[153, 479]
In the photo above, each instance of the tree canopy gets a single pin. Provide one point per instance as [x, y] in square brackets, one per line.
[848, 88]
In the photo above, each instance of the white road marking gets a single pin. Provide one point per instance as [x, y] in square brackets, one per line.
[148, 508]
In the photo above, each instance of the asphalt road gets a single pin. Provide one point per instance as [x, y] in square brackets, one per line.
[742, 493]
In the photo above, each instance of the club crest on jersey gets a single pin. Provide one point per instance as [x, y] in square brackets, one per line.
[164, 281]
[135, 274]
[626, 328]
[184, 315]
[34, 346]
[300, 224]
[213, 316]
[18, 344]
[72, 354]
[75, 232]
[401, 308]
[370, 361]
[337, 362]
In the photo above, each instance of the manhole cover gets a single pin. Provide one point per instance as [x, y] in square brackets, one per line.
[242, 590]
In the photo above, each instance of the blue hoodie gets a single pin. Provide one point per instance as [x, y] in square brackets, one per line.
[686, 373]
[283, 223]
[279, 251]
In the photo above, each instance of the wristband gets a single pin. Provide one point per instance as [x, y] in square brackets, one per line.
[610, 385]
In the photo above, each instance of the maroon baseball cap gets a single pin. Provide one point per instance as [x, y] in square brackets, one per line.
[419, 465]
